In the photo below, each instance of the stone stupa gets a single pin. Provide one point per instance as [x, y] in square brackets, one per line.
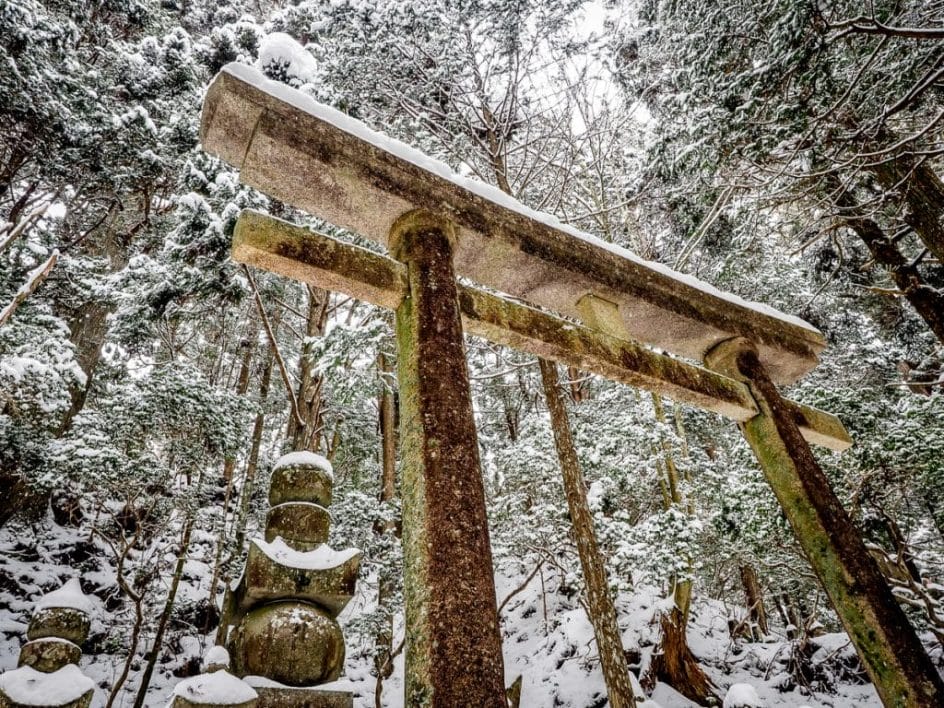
[279, 620]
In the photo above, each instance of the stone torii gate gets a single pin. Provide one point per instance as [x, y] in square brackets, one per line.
[438, 226]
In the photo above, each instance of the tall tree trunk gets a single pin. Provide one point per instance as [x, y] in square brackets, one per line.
[923, 194]
[754, 598]
[155, 651]
[229, 465]
[927, 301]
[600, 606]
[252, 461]
[307, 436]
[388, 490]
[388, 432]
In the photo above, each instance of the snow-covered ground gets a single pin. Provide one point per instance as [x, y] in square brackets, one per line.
[548, 640]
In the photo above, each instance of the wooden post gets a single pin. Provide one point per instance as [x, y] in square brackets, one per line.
[893, 656]
[453, 644]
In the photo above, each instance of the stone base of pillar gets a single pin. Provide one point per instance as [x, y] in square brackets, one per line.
[284, 697]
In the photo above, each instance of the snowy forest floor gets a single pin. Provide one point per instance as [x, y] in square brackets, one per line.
[547, 638]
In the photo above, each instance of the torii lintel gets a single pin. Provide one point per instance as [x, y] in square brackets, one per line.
[319, 160]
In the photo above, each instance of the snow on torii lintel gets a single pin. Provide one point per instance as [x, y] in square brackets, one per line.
[319, 160]
[355, 127]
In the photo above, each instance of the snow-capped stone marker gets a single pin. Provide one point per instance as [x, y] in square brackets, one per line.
[26, 687]
[47, 676]
[63, 613]
[280, 620]
[215, 687]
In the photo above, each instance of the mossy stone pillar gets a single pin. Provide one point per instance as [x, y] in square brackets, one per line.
[893, 656]
[453, 643]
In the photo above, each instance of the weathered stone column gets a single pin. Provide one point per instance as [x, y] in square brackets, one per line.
[453, 645]
[893, 656]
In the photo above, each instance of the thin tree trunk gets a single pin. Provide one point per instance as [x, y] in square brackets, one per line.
[253, 460]
[137, 598]
[927, 301]
[600, 606]
[132, 652]
[754, 598]
[306, 434]
[229, 465]
[242, 386]
[388, 434]
[675, 664]
[165, 614]
[388, 491]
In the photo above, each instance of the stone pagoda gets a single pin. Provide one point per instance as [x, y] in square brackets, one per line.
[280, 619]
[48, 675]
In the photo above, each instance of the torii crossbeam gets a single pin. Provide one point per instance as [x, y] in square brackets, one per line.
[438, 226]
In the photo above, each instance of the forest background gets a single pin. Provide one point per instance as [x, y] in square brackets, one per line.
[785, 151]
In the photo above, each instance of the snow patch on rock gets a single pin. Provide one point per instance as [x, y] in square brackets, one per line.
[30, 687]
[70, 596]
[218, 688]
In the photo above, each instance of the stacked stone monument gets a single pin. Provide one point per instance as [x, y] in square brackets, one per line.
[48, 675]
[280, 619]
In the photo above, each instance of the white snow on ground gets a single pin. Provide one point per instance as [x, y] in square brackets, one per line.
[303, 102]
[742, 695]
[546, 636]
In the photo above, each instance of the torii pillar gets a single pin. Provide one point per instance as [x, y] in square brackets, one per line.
[447, 556]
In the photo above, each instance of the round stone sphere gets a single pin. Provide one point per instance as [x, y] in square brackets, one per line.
[49, 654]
[290, 642]
[63, 622]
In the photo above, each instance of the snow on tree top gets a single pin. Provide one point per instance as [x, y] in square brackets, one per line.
[218, 688]
[281, 49]
[29, 687]
[343, 122]
[70, 596]
[321, 558]
[303, 458]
